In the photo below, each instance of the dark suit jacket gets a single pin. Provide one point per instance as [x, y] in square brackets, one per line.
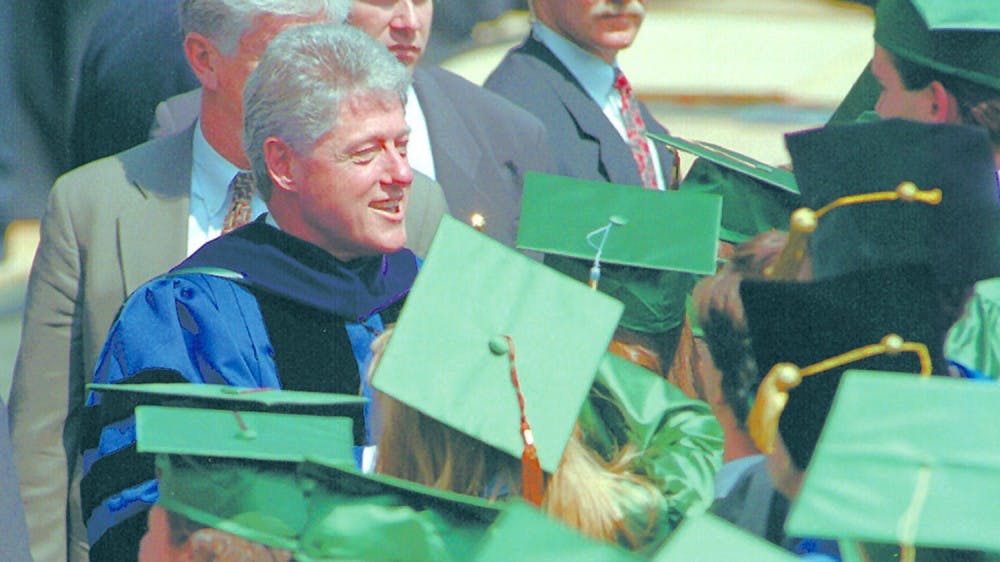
[134, 59]
[482, 145]
[109, 227]
[585, 144]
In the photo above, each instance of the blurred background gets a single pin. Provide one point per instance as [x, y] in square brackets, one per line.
[738, 73]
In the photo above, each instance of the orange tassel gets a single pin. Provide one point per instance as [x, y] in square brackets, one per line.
[532, 479]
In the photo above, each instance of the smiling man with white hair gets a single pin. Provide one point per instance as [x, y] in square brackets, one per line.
[291, 300]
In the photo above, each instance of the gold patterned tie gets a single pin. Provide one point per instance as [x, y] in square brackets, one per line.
[239, 212]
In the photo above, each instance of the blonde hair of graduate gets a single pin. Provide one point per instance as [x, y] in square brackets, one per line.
[601, 498]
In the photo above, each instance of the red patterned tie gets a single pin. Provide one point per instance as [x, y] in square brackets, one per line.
[239, 212]
[635, 130]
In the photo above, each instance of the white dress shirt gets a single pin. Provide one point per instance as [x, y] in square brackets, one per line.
[598, 80]
[210, 196]
[418, 151]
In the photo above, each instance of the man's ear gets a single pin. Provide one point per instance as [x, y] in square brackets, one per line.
[281, 161]
[202, 56]
[944, 107]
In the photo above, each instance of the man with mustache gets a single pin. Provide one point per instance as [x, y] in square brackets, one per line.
[476, 144]
[566, 74]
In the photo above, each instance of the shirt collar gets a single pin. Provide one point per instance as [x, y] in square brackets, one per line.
[596, 76]
[214, 168]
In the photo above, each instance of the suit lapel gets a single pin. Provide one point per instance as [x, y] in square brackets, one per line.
[454, 148]
[152, 229]
[615, 157]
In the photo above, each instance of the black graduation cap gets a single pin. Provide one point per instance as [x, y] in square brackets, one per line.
[807, 323]
[959, 237]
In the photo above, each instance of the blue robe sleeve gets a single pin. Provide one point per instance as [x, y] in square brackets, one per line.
[204, 328]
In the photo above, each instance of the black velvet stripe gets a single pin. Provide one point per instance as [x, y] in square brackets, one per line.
[312, 350]
[121, 542]
[112, 474]
[118, 406]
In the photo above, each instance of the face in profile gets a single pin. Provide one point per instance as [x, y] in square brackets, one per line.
[404, 26]
[600, 27]
[896, 101]
[156, 545]
[352, 188]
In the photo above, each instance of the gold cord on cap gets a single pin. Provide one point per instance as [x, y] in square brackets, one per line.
[803, 222]
[772, 395]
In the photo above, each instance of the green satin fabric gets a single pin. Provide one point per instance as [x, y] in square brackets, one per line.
[749, 207]
[383, 527]
[679, 441]
[974, 341]
[653, 299]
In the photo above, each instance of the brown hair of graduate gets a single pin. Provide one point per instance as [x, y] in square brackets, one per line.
[586, 491]
[723, 321]
[977, 104]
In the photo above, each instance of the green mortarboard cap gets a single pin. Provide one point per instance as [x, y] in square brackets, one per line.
[473, 293]
[354, 516]
[960, 38]
[905, 460]
[645, 228]
[525, 534]
[756, 197]
[806, 323]
[749, 206]
[732, 160]
[118, 401]
[959, 237]
[707, 538]
[980, 15]
[216, 396]
[236, 471]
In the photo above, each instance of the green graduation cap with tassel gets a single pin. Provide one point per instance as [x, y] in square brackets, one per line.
[619, 224]
[236, 471]
[497, 346]
[905, 462]
[642, 247]
[190, 425]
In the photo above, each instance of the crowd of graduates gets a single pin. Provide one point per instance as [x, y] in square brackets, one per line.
[750, 362]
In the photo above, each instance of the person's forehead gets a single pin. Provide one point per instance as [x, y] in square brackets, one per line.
[358, 111]
[266, 26]
[370, 102]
